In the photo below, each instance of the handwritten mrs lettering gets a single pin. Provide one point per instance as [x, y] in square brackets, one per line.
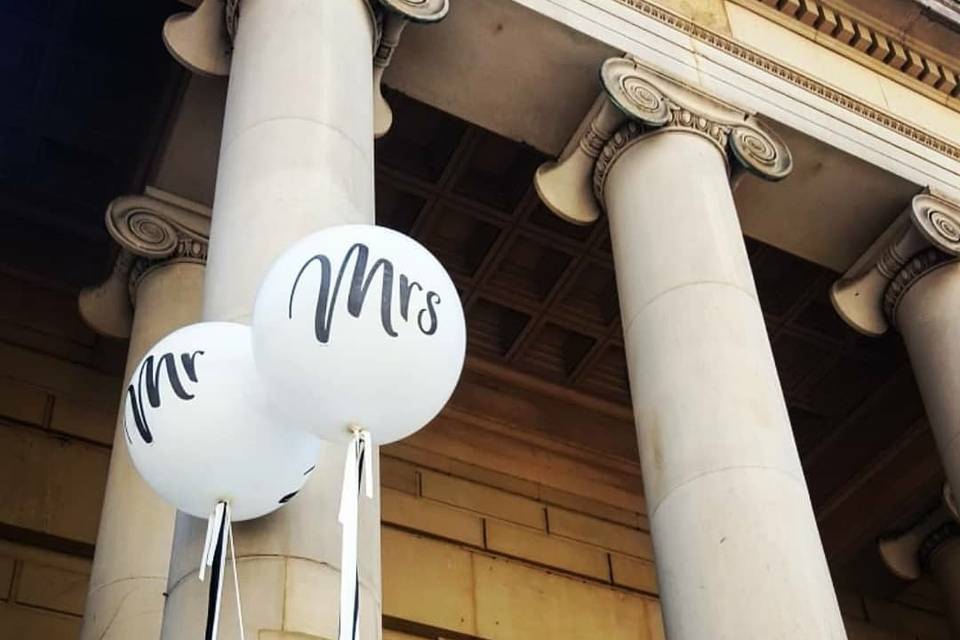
[360, 281]
[148, 386]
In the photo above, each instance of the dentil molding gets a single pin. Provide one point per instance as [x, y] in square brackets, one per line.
[152, 230]
[923, 238]
[866, 40]
[792, 75]
[640, 101]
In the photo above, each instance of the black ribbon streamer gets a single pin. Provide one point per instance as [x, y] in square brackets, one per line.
[215, 594]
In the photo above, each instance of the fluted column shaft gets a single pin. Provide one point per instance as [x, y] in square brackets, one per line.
[296, 156]
[129, 573]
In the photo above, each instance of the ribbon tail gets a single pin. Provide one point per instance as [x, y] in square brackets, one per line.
[236, 575]
[349, 577]
[368, 462]
[216, 558]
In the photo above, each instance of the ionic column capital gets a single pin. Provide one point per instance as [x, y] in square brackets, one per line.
[639, 102]
[393, 17]
[923, 238]
[152, 230]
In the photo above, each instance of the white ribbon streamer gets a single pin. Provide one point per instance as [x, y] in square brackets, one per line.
[219, 535]
[214, 556]
[236, 576]
[357, 469]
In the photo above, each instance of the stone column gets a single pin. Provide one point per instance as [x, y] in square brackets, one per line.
[296, 156]
[736, 545]
[910, 278]
[160, 271]
[914, 284]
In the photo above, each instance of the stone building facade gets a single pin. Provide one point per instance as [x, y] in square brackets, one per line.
[707, 251]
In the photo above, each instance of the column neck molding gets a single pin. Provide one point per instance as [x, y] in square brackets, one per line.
[202, 40]
[935, 540]
[907, 553]
[639, 102]
[925, 237]
[153, 231]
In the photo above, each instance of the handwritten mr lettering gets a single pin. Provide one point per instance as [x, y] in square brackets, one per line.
[148, 385]
[410, 291]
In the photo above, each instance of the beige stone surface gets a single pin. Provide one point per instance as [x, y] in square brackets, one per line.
[308, 583]
[528, 544]
[52, 587]
[82, 419]
[6, 576]
[420, 514]
[529, 456]
[654, 619]
[59, 376]
[517, 602]
[707, 13]
[51, 485]
[428, 581]
[22, 402]
[398, 474]
[593, 507]
[482, 499]
[504, 481]
[633, 573]
[603, 534]
[47, 596]
[23, 623]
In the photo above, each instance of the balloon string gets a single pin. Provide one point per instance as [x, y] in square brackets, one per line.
[236, 576]
[215, 559]
[357, 472]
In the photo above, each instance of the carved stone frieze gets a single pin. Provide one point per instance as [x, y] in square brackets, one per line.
[648, 102]
[925, 237]
[152, 232]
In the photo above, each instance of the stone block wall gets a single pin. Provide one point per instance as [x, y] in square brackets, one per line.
[59, 389]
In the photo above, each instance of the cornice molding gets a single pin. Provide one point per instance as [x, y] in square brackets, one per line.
[795, 77]
[152, 233]
[925, 237]
[866, 40]
[641, 102]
